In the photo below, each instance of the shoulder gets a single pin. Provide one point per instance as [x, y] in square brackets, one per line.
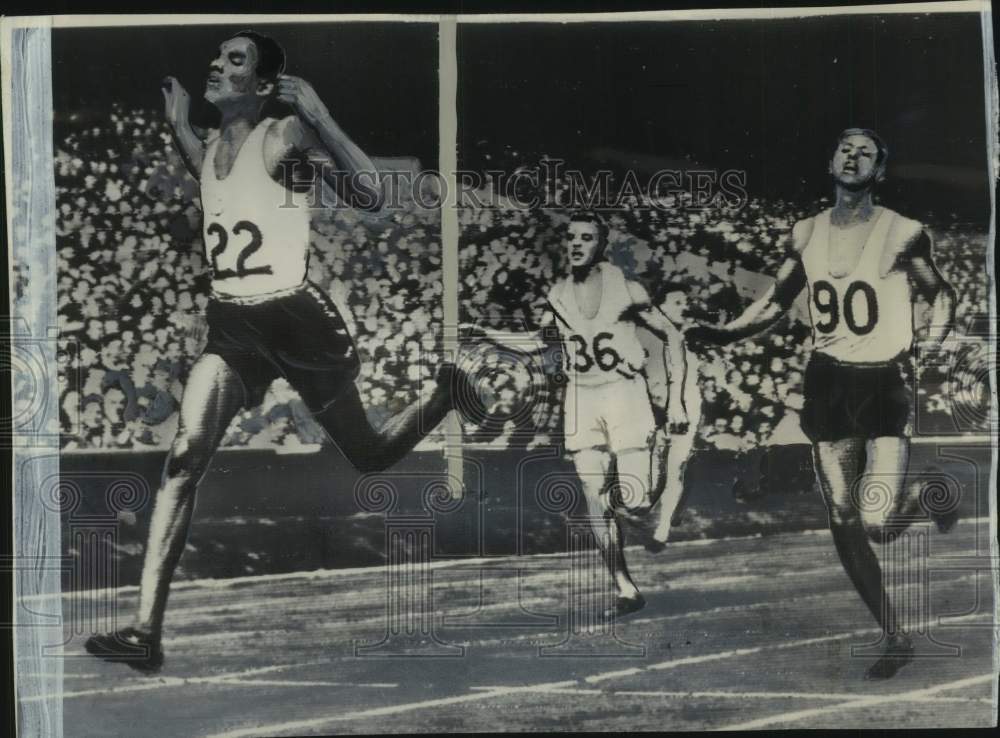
[802, 231]
[906, 235]
[636, 292]
[556, 289]
[903, 229]
[287, 132]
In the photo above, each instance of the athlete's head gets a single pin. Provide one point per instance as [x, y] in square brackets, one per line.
[586, 238]
[248, 65]
[674, 301]
[859, 159]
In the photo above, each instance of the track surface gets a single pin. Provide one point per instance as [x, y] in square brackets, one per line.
[737, 633]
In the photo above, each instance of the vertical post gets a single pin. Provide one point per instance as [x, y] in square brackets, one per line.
[448, 165]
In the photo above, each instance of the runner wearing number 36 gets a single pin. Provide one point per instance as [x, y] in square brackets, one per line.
[265, 319]
[610, 430]
[863, 266]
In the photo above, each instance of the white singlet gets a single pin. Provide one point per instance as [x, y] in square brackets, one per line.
[862, 317]
[256, 231]
[604, 348]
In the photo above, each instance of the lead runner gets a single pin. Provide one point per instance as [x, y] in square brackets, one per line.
[862, 264]
[265, 319]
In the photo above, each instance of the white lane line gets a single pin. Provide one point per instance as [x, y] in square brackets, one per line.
[555, 687]
[492, 562]
[824, 696]
[912, 695]
[64, 675]
[300, 725]
[532, 634]
[306, 683]
[741, 607]
[721, 694]
[155, 682]
[614, 674]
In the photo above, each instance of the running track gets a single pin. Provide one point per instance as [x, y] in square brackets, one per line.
[738, 633]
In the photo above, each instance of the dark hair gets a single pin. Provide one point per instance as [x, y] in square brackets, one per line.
[882, 151]
[673, 286]
[595, 219]
[270, 55]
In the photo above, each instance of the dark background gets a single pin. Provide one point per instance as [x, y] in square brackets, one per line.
[379, 80]
[767, 96]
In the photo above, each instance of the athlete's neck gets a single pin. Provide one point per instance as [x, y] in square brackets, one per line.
[580, 274]
[240, 117]
[852, 206]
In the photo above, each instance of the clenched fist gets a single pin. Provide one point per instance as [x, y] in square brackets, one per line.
[302, 98]
[176, 100]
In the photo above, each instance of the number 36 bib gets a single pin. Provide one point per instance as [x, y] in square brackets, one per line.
[256, 231]
[601, 349]
[863, 316]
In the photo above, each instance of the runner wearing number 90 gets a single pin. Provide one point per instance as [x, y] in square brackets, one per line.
[265, 319]
[862, 265]
[610, 429]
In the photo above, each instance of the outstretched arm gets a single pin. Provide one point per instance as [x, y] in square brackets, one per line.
[190, 141]
[775, 302]
[315, 135]
[642, 313]
[918, 261]
[526, 342]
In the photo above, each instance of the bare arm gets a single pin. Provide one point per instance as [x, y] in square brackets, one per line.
[526, 342]
[769, 307]
[317, 136]
[190, 140]
[656, 322]
[918, 261]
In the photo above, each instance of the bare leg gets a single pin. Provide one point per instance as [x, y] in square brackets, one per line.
[212, 397]
[370, 449]
[885, 476]
[838, 468]
[678, 453]
[592, 467]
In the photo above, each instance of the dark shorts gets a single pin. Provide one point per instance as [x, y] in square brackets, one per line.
[297, 334]
[856, 400]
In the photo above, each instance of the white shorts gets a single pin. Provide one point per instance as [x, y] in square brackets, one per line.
[616, 416]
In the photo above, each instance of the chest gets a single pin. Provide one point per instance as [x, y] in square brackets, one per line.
[847, 248]
[588, 295]
[245, 149]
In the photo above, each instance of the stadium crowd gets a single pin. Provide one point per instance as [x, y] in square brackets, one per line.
[133, 287]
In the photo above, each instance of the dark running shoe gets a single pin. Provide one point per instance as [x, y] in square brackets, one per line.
[938, 498]
[625, 606]
[655, 546]
[128, 646]
[897, 654]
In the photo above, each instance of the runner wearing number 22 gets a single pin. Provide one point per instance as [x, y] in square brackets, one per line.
[265, 319]
[610, 430]
[862, 265]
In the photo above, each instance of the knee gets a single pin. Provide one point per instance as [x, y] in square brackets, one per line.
[188, 460]
[843, 515]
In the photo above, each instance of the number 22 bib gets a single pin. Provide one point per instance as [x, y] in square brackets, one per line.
[256, 231]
